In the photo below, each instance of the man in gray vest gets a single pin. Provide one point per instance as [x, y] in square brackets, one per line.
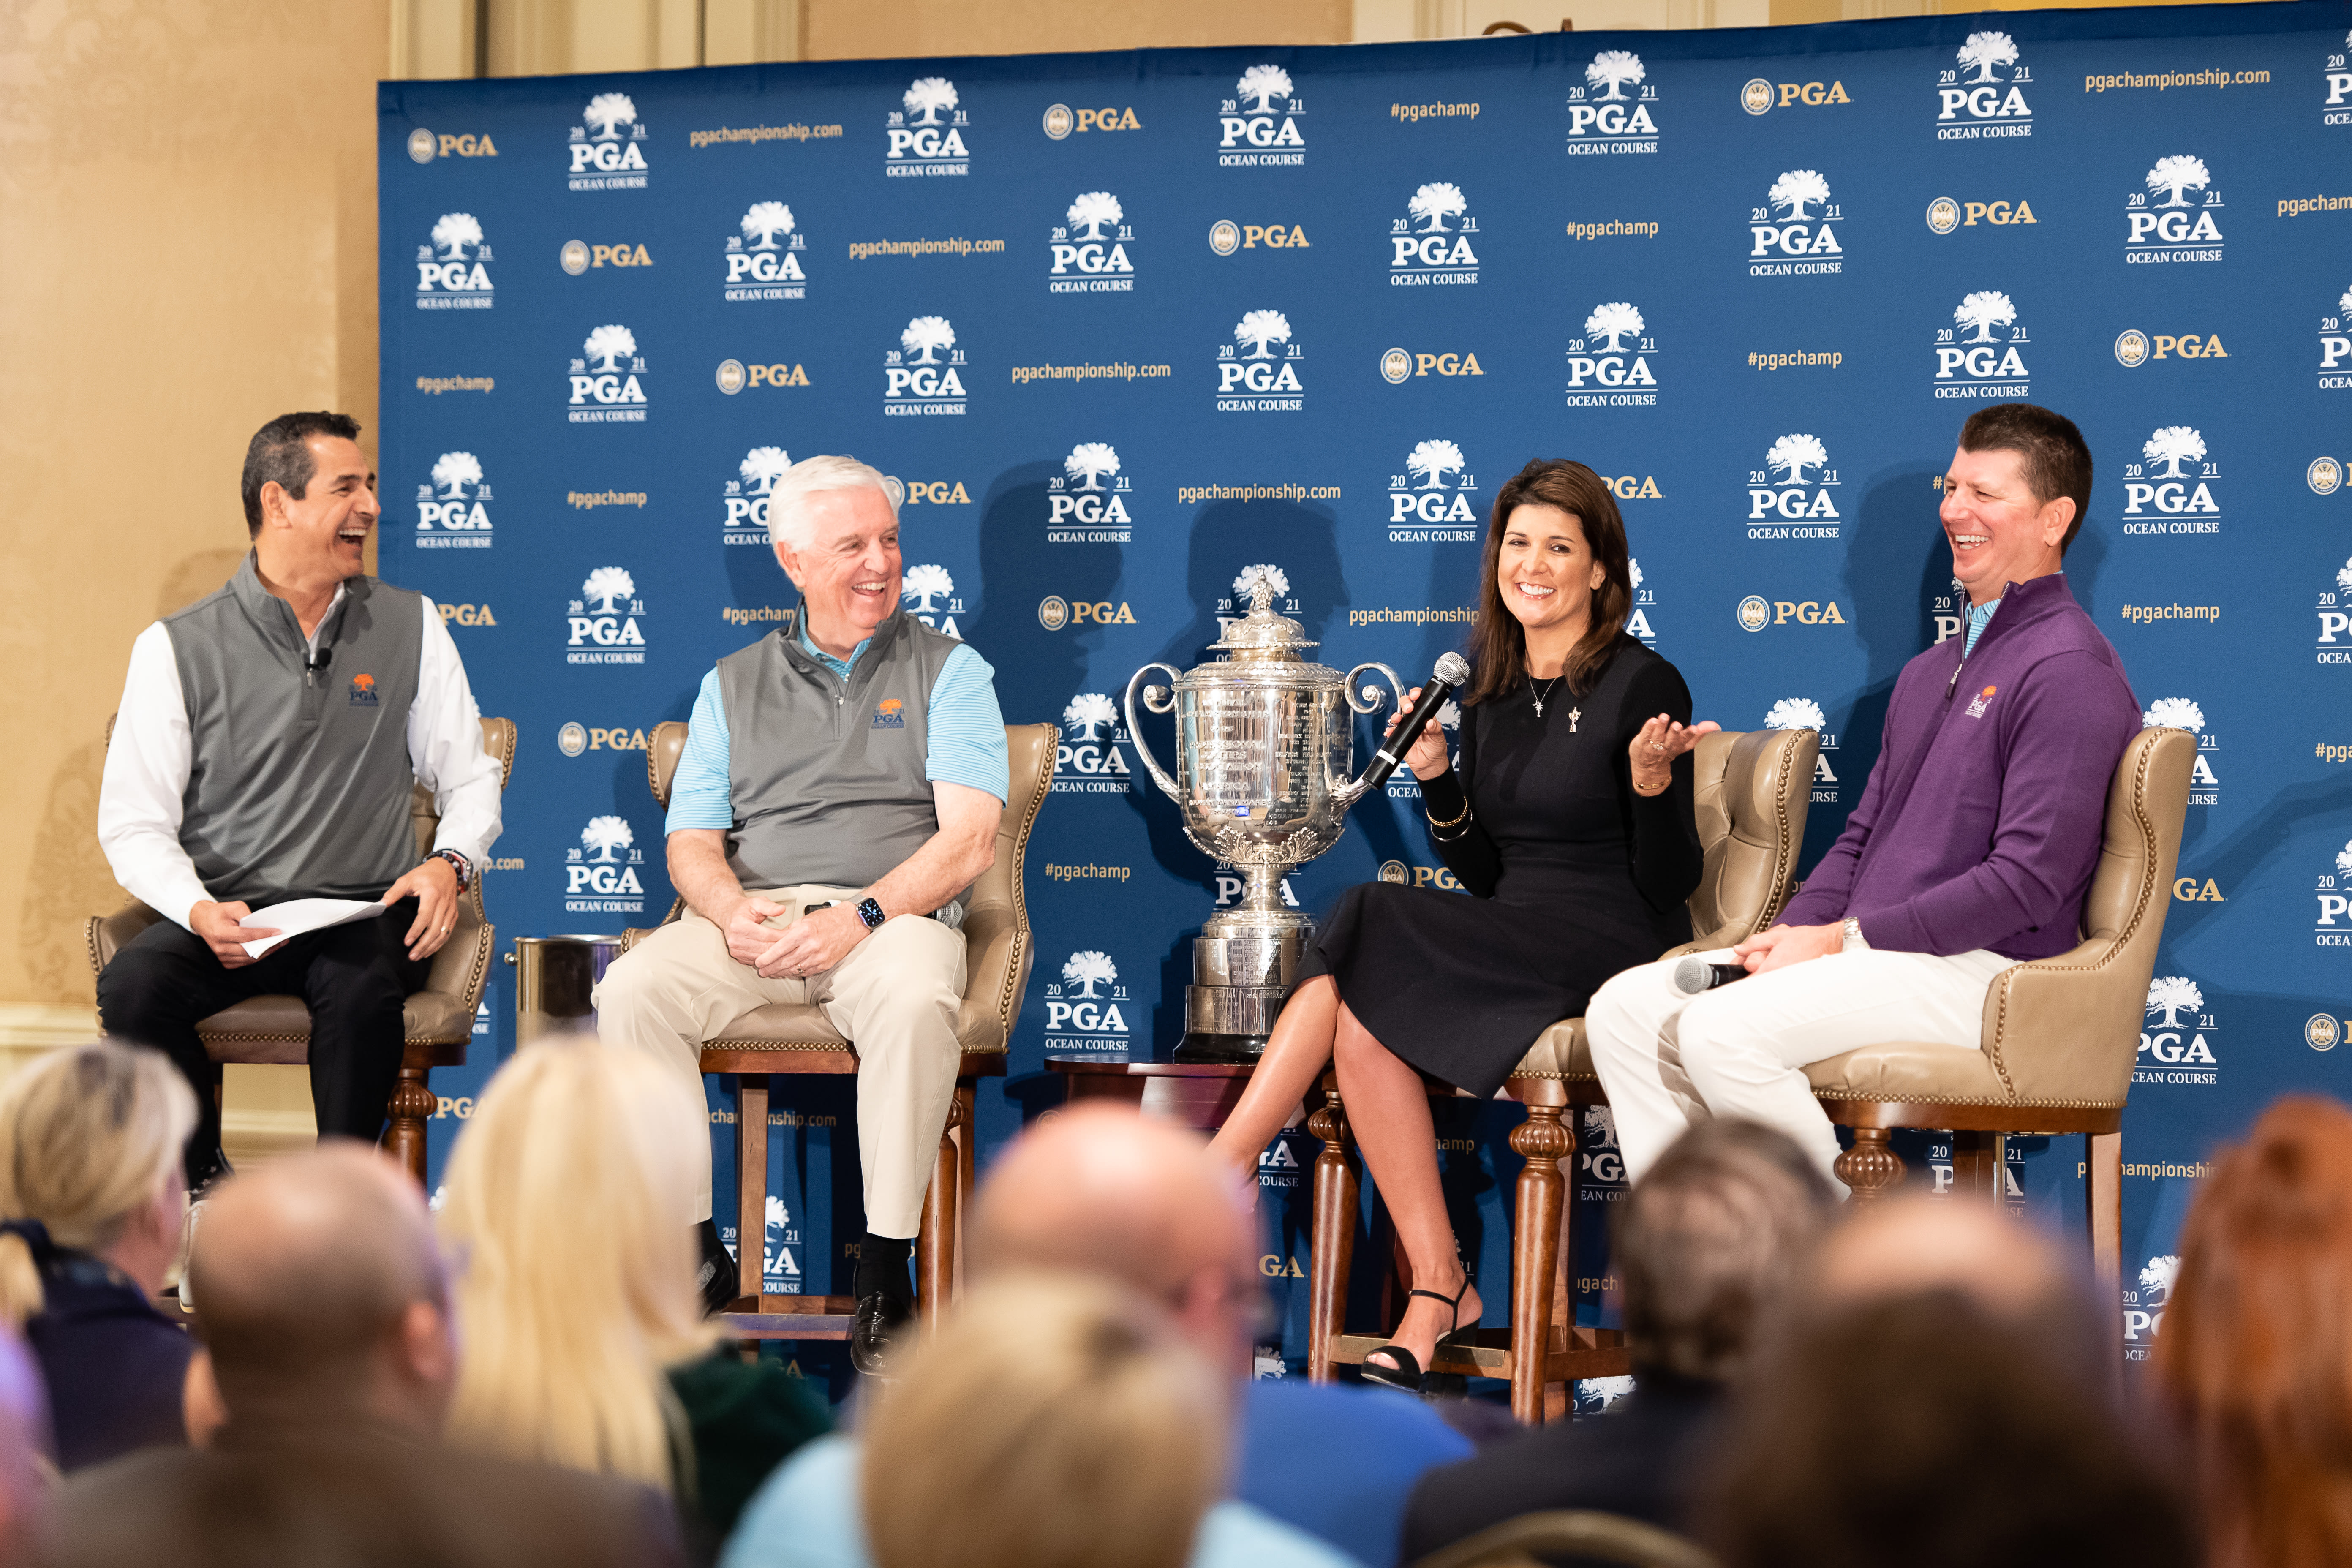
[265, 748]
[839, 792]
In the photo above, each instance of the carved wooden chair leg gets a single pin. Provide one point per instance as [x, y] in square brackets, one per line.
[1560, 1398]
[1976, 1165]
[411, 1108]
[1870, 1167]
[1541, 1141]
[1333, 1247]
[935, 1248]
[751, 1184]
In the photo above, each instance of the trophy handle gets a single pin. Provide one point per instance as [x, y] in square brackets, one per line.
[1160, 699]
[1345, 795]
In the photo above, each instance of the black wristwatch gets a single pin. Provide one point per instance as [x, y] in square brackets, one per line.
[871, 913]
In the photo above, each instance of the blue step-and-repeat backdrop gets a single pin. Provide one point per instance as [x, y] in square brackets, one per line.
[1127, 328]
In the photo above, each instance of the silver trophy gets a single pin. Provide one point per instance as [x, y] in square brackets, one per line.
[1265, 745]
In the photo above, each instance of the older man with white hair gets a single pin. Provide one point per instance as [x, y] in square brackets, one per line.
[839, 794]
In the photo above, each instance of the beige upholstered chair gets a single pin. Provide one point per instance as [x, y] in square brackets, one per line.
[1582, 1535]
[1753, 789]
[780, 1039]
[2060, 1035]
[438, 1020]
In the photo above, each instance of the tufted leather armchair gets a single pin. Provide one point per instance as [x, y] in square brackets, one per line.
[780, 1039]
[1753, 789]
[437, 1021]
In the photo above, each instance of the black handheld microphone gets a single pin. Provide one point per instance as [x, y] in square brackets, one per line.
[1453, 671]
[1695, 974]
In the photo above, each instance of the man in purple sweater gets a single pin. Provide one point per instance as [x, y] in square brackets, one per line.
[1972, 848]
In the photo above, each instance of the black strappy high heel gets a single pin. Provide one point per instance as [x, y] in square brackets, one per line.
[1407, 1373]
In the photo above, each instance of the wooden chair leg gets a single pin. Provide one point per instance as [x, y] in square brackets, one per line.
[1976, 1166]
[1541, 1141]
[1333, 1245]
[935, 1246]
[2103, 1198]
[1871, 1166]
[411, 1107]
[1560, 1398]
[751, 1184]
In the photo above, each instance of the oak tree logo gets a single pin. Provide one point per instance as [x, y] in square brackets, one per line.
[1253, 132]
[1087, 502]
[452, 511]
[1978, 356]
[1795, 234]
[1984, 95]
[928, 593]
[926, 133]
[2172, 220]
[1430, 502]
[759, 264]
[452, 272]
[601, 876]
[608, 385]
[613, 158]
[1610, 365]
[1610, 112]
[1089, 250]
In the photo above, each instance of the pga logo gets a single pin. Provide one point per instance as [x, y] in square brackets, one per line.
[1804, 713]
[1789, 496]
[1251, 132]
[601, 876]
[2181, 713]
[759, 264]
[2336, 346]
[608, 160]
[1260, 380]
[603, 622]
[448, 277]
[1610, 112]
[605, 384]
[2335, 913]
[1080, 508]
[1977, 356]
[1085, 1009]
[453, 504]
[927, 135]
[1975, 100]
[1430, 252]
[2170, 1041]
[1646, 599]
[1799, 222]
[1422, 507]
[1610, 364]
[2144, 1307]
[1088, 760]
[746, 496]
[927, 594]
[1089, 250]
[2334, 644]
[1598, 1158]
[2174, 229]
[924, 374]
[2337, 108]
[2170, 489]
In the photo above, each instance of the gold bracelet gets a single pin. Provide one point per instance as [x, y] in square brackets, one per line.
[1653, 793]
[1454, 821]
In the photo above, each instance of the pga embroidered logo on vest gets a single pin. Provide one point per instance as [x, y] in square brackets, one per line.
[889, 714]
[362, 691]
[1982, 701]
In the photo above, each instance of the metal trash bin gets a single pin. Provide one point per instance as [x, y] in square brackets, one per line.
[554, 978]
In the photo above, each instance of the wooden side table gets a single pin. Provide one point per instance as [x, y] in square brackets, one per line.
[1200, 1095]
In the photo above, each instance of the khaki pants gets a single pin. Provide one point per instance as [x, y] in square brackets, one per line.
[895, 997]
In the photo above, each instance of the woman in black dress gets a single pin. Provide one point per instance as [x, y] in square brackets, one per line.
[1568, 821]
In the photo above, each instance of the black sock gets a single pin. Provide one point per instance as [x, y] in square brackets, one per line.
[882, 1266]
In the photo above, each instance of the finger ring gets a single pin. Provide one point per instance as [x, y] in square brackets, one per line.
[1655, 747]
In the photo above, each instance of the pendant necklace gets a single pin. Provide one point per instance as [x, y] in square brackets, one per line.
[1539, 697]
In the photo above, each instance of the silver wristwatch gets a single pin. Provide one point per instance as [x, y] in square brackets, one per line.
[1853, 936]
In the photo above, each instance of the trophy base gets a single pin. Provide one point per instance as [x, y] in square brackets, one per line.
[1199, 1047]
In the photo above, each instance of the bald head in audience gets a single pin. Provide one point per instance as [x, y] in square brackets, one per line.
[1103, 1190]
[1914, 1245]
[319, 1291]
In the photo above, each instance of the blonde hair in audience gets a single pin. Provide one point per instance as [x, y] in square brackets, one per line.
[566, 1215]
[1058, 1421]
[87, 1136]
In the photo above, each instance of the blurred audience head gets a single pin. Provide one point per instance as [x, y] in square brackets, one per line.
[2255, 1352]
[1105, 1190]
[1058, 1421]
[1932, 1430]
[1711, 1241]
[320, 1294]
[89, 1160]
[26, 1474]
[565, 1211]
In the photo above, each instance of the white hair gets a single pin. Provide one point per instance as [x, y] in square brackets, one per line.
[787, 519]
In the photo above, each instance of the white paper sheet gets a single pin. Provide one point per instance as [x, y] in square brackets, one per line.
[296, 916]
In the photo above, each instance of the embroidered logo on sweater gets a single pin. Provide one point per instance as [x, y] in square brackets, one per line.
[364, 691]
[889, 714]
[1982, 701]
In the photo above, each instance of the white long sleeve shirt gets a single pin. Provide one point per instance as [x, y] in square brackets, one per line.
[150, 756]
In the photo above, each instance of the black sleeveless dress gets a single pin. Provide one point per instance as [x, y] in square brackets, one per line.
[1574, 878]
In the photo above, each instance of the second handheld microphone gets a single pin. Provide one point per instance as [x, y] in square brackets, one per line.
[1453, 671]
[1695, 974]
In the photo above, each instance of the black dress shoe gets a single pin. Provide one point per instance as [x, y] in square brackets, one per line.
[881, 1316]
[716, 1275]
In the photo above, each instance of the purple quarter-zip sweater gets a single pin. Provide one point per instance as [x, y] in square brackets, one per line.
[1981, 822]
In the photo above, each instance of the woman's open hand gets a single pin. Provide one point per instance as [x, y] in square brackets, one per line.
[1427, 757]
[1654, 749]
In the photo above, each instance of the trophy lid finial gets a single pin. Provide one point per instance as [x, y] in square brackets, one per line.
[1263, 633]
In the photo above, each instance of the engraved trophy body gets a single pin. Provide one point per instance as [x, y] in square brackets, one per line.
[1265, 745]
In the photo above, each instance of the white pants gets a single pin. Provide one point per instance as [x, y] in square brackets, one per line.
[895, 997]
[1666, 1059]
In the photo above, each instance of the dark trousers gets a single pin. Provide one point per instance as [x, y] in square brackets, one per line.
[353, 977]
